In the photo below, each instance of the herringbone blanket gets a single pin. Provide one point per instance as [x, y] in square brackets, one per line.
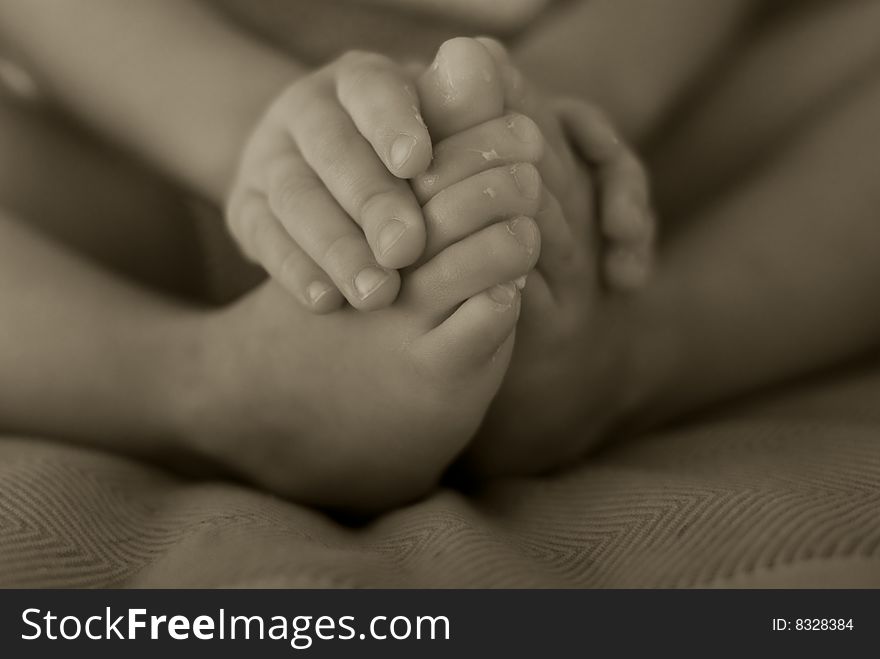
[780, 492]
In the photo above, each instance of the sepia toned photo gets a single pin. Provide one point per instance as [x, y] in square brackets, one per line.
[440, 294]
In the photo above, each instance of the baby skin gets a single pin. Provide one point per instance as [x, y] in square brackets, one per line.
[409, 385]
[363, 411]
[566, 379]
[568, 382]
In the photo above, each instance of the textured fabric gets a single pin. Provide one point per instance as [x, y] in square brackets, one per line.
[779, 492]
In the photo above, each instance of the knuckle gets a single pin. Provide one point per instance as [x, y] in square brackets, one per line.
[297, 98]
[357, 68]
[373, 86]
[331, 148]
[351, 86]
[243, 222]
[371, 201]
[257, 229]
[291, 268]
[339, 253]
[280, 169]
[284, 197]
[289, 193]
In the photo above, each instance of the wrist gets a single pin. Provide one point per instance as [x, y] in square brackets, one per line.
[218, 154]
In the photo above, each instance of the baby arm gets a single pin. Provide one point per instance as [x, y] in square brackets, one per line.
[770, 282]
[88, 357]
[167, 78]
[175, 83]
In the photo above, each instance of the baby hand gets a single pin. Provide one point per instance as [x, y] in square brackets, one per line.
[320, 199]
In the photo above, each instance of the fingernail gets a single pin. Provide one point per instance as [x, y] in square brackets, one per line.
[368, 280]
[316, 290]
[401, 149]
[524, 231]
[523, 128]
[527, 180]
[503, 294]
[389, 234]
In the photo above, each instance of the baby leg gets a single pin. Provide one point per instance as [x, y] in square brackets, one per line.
[94, 200]
[365, 411]
[474, 174]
